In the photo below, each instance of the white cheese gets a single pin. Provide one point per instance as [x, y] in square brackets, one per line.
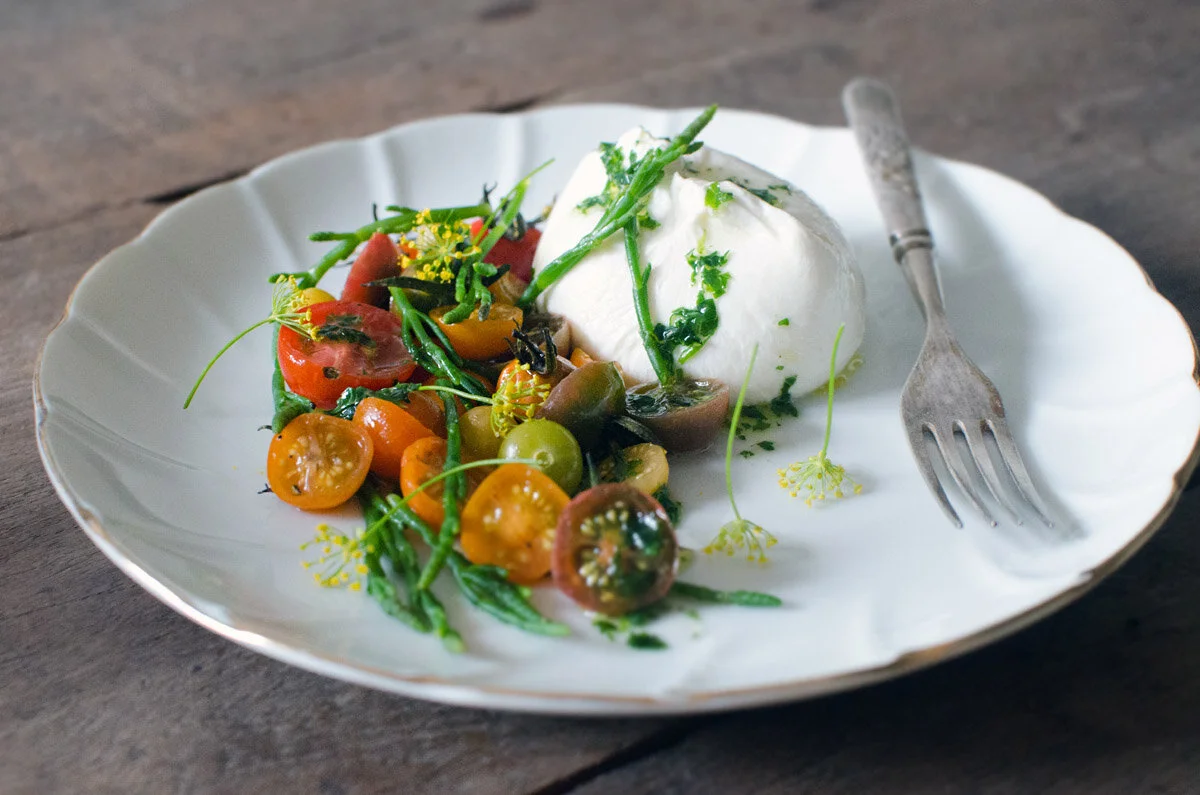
[786, 262]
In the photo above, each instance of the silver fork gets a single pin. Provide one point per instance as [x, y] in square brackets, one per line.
[946, 394]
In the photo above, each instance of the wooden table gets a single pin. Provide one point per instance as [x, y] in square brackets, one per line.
[111, 110]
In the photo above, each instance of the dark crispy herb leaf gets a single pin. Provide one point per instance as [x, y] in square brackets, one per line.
[689, 328]
[345, 328]
[348, 402]
[782, 403]
[645, 641]
[700, 593]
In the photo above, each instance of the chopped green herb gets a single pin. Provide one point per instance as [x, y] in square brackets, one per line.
[782, 404]
[647, 221]
[348, 401]
[672, 506]
[688, 328]
[646, 642]
[779, 367]
[714, 197]
[766, 444]
[608, 628]
[746, 453]
[709, 271]
[784, 322]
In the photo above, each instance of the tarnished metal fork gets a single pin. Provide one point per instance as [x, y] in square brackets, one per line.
[946, 394]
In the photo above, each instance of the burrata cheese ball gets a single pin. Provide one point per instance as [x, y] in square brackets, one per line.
[793, 280]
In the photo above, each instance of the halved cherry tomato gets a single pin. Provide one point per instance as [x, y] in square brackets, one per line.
[321, 369]
[510, 520]
[422, 461]
[377, 260]
[520, 392]
[480, 339]
[580, 357]
[392, 430]
[318, 461]
[614, 549]
[429, 411]
[516, 254]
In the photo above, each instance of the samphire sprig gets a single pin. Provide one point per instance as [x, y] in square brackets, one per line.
[740, 534]
[818, 478]
[286, 310]
[625, 207]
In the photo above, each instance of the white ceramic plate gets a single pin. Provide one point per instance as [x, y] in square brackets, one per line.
[1097, 370]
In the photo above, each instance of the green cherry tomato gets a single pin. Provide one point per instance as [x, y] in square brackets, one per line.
[478, 438]
[552, 446]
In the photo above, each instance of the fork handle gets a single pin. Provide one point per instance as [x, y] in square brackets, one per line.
[874, 116]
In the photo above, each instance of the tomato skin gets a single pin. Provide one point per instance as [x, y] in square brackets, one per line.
[614, 549]
[510, 522]
[321, 369]
[377, 260]
[517, 254]
[428, 410]
[318, 461]
[480, 339]
[392, 430]
[422, 460]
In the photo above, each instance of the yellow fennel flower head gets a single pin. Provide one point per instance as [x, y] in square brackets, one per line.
[740, 536]
[341, 562]
[442, 248]
[288, 307]
[519, 394]
[817, 479]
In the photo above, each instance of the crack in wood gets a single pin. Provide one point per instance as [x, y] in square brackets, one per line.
[516, 105]
[183, 191]
[671, 736]
[507, 10]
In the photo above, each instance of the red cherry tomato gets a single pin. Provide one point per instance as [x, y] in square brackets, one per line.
[377, 260]
[517, 254]
[614, 549]
[362, 347]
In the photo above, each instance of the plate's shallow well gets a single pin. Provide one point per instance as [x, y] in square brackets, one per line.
[1096, 368]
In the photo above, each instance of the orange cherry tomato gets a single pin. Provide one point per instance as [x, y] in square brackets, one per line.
[392, 430]
[481, 339]
[318, 461]
[421, 461]
[580, 357]
[429, 411]
[510, 521]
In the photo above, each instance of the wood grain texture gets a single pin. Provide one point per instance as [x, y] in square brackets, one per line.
[111, 109]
